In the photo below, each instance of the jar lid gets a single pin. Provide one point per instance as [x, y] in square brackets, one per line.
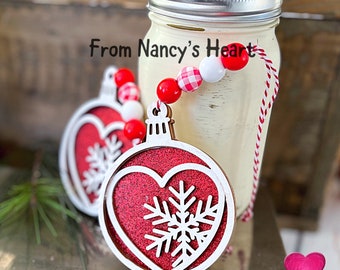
[218, 10]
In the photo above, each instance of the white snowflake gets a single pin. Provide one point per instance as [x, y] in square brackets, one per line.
[100, 159]
[182, 226]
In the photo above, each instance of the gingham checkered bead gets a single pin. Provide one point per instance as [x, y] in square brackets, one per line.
[189, 79]
[128, 91]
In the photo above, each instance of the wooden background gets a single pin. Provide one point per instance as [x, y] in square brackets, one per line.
[46, 72]
[304, 135]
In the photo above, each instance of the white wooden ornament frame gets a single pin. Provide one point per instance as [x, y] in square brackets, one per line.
[67, 166]
[159, 134]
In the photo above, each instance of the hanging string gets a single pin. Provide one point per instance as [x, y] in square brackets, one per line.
[267, 101]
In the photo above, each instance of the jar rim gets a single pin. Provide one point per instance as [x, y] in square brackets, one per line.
[218, 10]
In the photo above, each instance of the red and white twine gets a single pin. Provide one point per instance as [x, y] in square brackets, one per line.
[266, 105]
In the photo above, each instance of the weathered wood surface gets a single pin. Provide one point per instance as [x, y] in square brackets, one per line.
[304, 132]
[81, 246]
[46, 70]
[329, 8]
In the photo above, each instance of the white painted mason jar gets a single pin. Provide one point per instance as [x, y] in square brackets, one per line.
[219, 118]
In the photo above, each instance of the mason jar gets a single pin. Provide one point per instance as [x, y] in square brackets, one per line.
[219, 118]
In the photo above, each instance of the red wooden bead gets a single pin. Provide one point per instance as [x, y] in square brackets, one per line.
[122, 76]
[168, 91]
[134, 129]
[234, 56]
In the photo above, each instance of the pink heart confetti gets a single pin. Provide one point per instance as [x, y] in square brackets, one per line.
[297, 261]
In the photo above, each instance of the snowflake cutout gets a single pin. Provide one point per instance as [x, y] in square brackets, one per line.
[100, 159]
[183, 226]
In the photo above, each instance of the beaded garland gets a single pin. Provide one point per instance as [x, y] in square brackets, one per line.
[132, 110]
[189, 79]
[211, 69]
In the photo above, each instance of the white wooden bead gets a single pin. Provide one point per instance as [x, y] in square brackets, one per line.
[132, 109]
[211, 69]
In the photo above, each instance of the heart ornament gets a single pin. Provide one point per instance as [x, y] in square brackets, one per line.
[164, 203]
[297, 261]
[92, 140]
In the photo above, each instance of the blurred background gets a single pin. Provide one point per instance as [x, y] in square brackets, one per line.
[46, 72]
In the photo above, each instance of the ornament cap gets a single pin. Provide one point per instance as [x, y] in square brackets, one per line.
[159, 123]
[108, 87]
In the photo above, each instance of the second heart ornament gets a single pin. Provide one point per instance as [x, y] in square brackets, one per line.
[92, 140]
[165, 204]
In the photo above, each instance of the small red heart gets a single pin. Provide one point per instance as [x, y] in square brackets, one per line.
[297, 261]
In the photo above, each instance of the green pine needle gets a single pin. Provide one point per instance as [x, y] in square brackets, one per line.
[36, 225]
[38, 201]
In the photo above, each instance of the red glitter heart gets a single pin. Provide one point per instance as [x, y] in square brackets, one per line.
[94, 128]
[297, 261]
[129, 228]
[109, 124]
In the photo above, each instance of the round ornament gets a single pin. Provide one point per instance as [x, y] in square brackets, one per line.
[164, 203]
[134, 129]
[123, 76]
[168, 91]
[189, 79]
[132, 109]
[235, 56]
[211, 69]
[92, 140]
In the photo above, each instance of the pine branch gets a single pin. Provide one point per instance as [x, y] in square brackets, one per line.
[37, 198]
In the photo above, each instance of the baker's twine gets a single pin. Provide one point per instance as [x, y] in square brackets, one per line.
[267, 101]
